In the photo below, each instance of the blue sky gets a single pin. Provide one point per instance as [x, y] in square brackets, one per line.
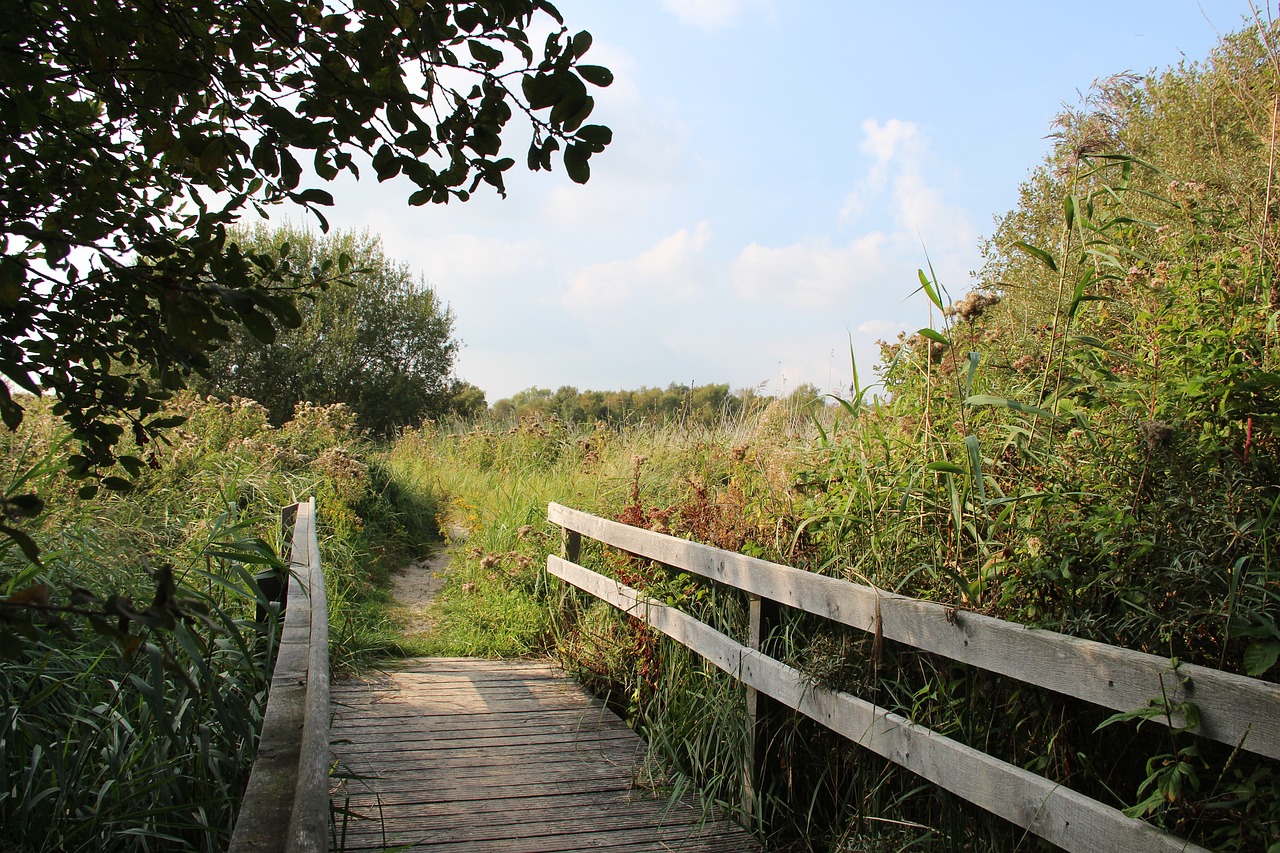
[778, 173]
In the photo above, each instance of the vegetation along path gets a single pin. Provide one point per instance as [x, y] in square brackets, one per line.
[466, 754]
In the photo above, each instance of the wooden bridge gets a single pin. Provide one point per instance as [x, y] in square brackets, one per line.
[458, 754]
[448, 755]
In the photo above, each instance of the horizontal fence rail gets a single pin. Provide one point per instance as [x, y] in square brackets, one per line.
[1233, 709]
[286, 805]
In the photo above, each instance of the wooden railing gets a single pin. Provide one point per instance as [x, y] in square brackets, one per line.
[1242, 712]
[286, 806]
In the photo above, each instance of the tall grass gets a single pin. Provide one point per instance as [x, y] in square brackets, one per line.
[142, 740]
[885, 492]
[493, 484]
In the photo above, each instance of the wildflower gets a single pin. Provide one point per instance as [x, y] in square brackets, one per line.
[974, 305]
[1156, 434]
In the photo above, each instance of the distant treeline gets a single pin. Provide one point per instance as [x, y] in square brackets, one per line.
[701, 404]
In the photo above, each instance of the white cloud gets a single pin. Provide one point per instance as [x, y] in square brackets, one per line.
[457, 260]
[648, 159]
[709, 14]
[672, 270]
[894, 142]
[467, 257]
[913, 218]
[809, 275]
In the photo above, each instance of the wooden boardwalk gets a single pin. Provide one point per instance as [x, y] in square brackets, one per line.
[469, 755]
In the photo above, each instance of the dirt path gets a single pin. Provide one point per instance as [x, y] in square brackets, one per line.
[416, 585]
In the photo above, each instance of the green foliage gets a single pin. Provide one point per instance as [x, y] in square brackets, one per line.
[136, 135]
[493, 486]
[699, 405]
[1089, 443]
[380, 343]
[137, 731]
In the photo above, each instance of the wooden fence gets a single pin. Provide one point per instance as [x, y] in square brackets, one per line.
[286, 806]
[1242, 712]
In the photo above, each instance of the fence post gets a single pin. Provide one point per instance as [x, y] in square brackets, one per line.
[570, 544]
[274, 582]
[571, 550]
[762, 712]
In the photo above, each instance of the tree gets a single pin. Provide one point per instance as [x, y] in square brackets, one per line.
[467, 401]
[382, 344]
[132, 136]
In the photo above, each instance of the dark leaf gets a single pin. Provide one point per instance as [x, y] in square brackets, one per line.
[24, 542]
[486, 55]
[1039, 254]
[24, 506]
[117, 484]
[575, 164]
[597, 75]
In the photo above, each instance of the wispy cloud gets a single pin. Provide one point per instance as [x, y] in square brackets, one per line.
[883, 329]
[895, 140]
[912, 216]
[673, 270]
[810, 275]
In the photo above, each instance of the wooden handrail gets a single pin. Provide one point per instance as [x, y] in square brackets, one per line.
[286, 805]
[1233, 709]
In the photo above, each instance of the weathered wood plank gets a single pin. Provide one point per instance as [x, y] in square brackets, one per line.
[1233, 709]
[1066, 818]
[587, 807]
[462, 772]
[386, 737]
[402, 790]
[479, 770]
[309, 826]
[552, 834]
[286, 804]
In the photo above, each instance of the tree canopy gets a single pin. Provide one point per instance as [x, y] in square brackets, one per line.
[701, 404]
[381, 344]
[132, 136]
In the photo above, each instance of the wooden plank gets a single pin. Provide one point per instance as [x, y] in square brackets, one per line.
[1052, 811]
[385, 739]
[481, 764]
[464, 773]
[627, 833]
[309, 826]
[408, 789]
[586, 807]
[289, 784]
[1234, 710]
[551, 834]
[482, 751]
[388, 734]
